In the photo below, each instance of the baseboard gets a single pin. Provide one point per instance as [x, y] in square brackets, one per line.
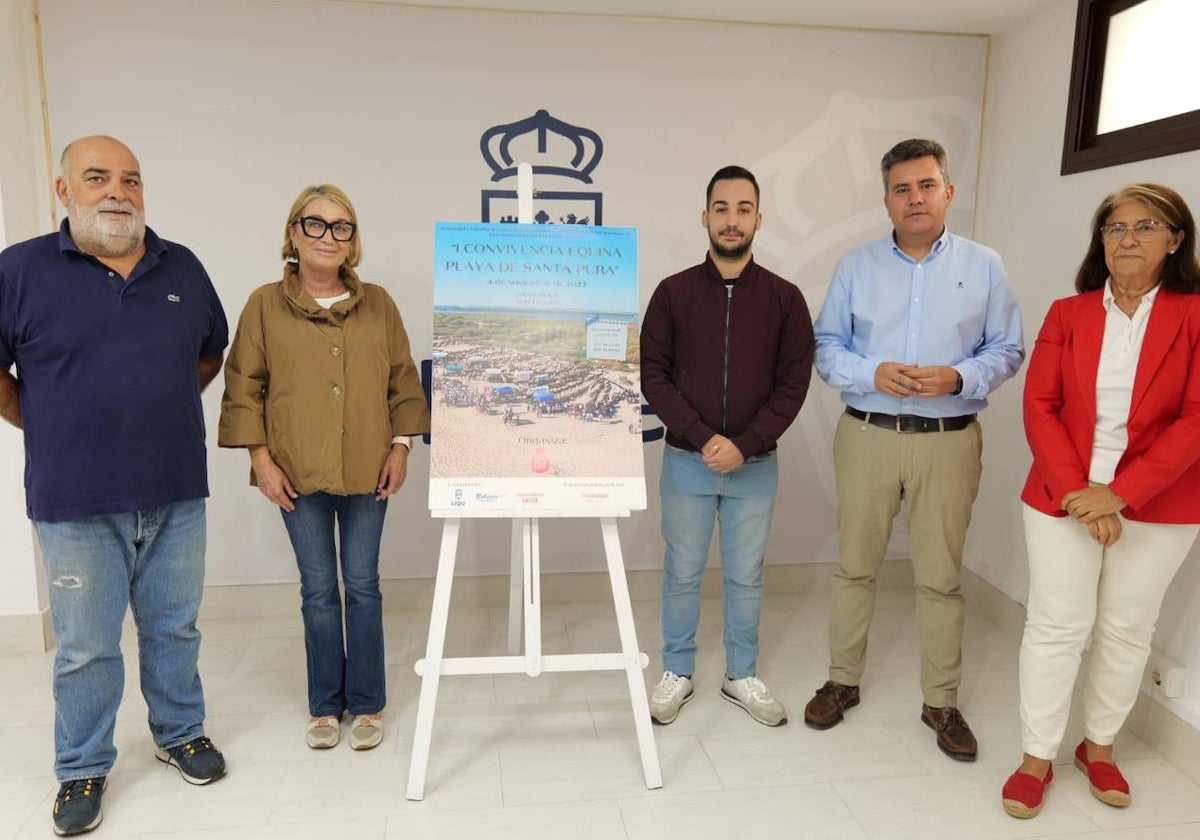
[990, 602]
[21, 635]
[1171, 736]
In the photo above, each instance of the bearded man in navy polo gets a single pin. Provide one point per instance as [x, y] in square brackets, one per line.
[114, 332]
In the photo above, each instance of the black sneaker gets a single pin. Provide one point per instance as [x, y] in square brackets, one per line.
[77, 806]
[198, 761]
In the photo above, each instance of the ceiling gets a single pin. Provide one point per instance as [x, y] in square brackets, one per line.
[968, 16]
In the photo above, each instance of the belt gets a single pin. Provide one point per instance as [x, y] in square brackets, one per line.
[911, 423]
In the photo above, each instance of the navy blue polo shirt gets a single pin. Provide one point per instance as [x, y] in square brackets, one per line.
[108, 374]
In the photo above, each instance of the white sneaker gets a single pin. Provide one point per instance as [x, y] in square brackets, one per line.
[753, 696]
[367, 732]
[323, 732]
[668, 697]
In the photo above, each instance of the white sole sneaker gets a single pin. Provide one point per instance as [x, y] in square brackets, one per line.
[666, 722]
[750, 710]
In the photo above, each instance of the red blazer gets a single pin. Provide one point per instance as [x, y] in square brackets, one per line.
[1159, 474]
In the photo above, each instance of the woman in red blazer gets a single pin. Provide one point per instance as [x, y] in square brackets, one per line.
[1112, 502]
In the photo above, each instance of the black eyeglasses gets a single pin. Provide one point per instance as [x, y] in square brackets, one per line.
[314, 227]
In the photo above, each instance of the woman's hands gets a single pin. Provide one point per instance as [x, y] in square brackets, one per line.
[1106, 530]
[393, 473]
[272, 481]
[1096, 507]
[1090, 503]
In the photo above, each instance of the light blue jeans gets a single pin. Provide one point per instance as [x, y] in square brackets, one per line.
[694, 498]
[153, 562]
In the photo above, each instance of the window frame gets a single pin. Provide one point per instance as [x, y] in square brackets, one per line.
[1083, 148]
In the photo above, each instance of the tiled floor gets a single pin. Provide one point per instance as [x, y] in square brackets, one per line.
[555, 757]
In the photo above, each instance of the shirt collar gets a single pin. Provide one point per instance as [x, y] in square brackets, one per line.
[1147, 298]
[66, 243]
[301, 300]
[939, 245]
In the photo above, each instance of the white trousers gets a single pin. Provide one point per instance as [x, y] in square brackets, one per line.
[1079, 589]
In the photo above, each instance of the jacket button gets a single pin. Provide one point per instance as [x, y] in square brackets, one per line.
[335, 390]
[335, 350]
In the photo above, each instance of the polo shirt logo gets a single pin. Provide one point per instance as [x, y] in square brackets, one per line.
[173, 298]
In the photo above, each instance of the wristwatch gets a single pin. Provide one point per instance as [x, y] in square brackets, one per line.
[957, 385]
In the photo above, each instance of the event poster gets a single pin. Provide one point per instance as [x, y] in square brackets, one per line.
[536, 387]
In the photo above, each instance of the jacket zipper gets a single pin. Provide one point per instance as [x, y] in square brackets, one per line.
[725, 365]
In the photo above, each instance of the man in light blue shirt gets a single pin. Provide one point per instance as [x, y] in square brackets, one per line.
[917, 330]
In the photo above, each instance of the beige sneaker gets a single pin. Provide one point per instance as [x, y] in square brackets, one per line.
[323, 732]
[668, 697]
[753, 696]
[367, 732]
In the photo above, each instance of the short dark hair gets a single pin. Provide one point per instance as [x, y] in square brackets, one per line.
[1181, 271]
[730, 173]
[914, 149]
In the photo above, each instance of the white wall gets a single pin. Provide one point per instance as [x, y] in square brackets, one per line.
[1038, 220]
[23, 213]
[233, 106]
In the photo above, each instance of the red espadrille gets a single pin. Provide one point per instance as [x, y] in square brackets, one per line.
[1024, 792]
[1104, 780]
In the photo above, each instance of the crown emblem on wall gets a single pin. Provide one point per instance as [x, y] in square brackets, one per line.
[495, 144]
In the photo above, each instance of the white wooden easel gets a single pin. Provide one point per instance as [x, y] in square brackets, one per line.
[525, 603]
[526, 580]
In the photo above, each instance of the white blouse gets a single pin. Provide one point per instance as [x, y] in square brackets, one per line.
[1123, 338]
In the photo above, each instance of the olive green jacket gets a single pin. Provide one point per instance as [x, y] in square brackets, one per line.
[325, 389]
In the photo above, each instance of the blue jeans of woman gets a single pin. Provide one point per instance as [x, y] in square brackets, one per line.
[97, 567]
[694, 498]
[349, 674]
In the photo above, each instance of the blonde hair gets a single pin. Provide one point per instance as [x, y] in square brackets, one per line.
[307, 195]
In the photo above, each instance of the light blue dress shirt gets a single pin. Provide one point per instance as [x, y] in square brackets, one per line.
[954, 308]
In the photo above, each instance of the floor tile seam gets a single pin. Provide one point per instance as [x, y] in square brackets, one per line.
[707, 758]
[621, 812]
[668, 795]
[596, 727]
[866, 833]
[497, 753]
[711, 764]
[924, 776]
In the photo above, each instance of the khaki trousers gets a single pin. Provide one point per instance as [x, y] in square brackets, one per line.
[937, 474]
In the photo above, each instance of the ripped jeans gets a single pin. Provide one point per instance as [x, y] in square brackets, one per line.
[96, 568]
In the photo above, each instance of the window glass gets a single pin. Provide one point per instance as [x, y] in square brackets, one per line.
[1151, 65]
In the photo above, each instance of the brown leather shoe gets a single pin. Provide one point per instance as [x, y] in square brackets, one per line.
[954, 737]
[825, 709]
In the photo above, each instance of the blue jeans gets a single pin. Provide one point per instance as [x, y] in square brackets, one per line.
[96, 567]
[693, 499]
[340, 676]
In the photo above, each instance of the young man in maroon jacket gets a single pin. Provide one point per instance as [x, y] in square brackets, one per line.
[727, 351]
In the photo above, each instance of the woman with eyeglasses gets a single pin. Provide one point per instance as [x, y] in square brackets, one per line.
[1112, 502]
[321, 388]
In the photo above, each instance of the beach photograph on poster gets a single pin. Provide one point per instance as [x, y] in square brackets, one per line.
[535, 366]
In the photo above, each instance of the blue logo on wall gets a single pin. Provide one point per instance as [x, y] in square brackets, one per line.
[554, 148]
